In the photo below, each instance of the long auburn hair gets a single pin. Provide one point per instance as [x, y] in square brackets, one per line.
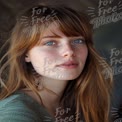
[89, 93]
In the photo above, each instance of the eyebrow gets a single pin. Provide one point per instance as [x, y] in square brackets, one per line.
[51, 37]
[56, 36]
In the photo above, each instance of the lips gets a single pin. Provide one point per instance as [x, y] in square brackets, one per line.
[69, 64]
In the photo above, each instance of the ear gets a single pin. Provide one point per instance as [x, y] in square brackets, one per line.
[27, 59]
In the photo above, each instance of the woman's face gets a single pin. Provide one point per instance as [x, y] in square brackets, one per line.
[57, 56]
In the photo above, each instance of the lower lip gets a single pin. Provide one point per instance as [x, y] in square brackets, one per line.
[68, 66]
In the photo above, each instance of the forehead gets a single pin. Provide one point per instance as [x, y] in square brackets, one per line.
[53, 29]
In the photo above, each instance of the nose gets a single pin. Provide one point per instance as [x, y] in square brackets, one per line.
[68, 51]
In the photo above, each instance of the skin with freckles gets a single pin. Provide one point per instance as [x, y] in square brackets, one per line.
[58, 57]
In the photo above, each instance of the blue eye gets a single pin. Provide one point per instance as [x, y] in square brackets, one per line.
[50, 43]
[78, 41]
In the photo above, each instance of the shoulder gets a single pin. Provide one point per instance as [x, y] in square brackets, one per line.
[20, 107]
[16, 100]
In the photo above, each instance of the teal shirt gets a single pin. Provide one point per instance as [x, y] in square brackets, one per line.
[20, 107]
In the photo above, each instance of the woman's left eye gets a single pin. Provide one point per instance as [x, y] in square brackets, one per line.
[78, 41]
[50, 43]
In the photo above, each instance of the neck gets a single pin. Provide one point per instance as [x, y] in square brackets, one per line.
[55, 86]
[52, 92]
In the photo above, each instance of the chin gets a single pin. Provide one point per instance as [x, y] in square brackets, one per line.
[66, 77]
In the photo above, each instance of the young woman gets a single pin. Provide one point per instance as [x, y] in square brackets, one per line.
[52, 72]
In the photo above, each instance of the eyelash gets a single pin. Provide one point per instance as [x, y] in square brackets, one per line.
[80, 41]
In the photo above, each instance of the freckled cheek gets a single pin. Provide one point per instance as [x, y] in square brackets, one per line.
[52, 55]
[82, 53]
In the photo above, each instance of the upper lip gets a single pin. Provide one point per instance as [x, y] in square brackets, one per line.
[69, 63]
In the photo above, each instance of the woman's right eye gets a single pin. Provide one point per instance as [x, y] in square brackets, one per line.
[50, 43]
